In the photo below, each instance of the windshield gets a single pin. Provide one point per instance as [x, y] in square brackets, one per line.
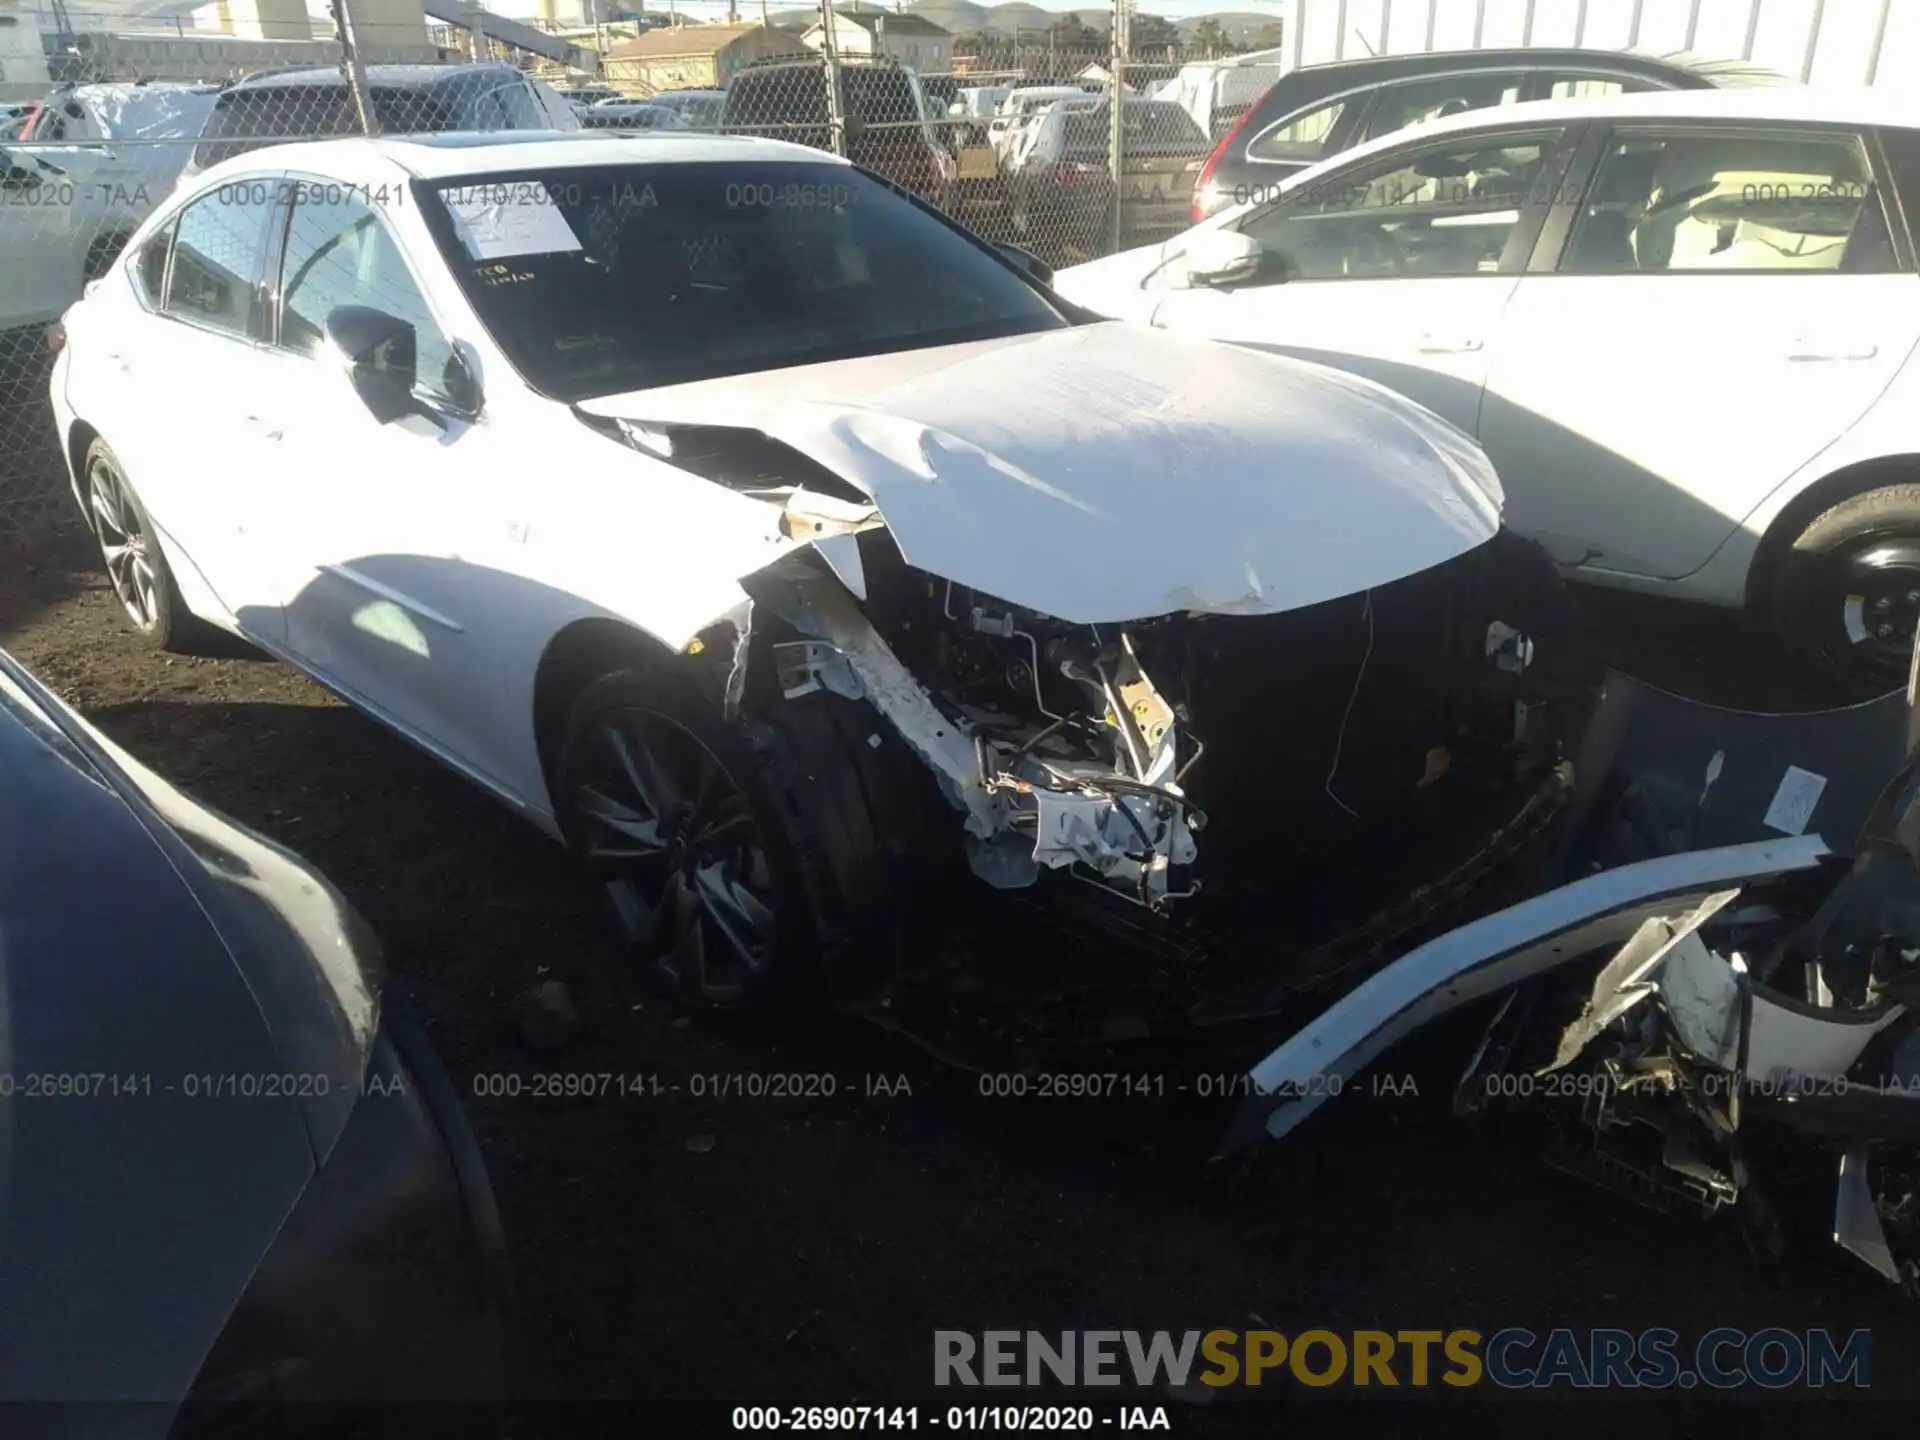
[1149, 125]
[623, 277]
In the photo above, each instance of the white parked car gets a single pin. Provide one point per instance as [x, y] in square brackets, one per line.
[1020, 105]
[649, 483]
[91, 165]
[1680, 323]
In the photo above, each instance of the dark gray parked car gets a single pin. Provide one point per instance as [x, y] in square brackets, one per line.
[230, 1171]
[1318, 111]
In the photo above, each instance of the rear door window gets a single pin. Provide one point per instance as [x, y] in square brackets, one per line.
[1731, 202]
[1415, 102]
[215, 249]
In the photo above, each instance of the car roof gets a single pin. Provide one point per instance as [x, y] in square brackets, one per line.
[391, 76]
[465, 153]
[1795, 104]
[1533, 57]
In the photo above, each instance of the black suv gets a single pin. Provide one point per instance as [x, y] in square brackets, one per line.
[888, 128]
[311, 103]
[1320, 110]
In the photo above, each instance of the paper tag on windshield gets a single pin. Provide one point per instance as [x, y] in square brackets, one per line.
[498, 222]
[1793, 802]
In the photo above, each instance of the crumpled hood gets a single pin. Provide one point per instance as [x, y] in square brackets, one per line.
[1111, 472]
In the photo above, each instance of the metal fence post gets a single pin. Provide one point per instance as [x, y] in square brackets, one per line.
[1117, 114]
[355, 69]
[1879, 40]
[830, 60]
[1814, 27]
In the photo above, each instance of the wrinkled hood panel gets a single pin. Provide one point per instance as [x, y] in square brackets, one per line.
[1111, 472]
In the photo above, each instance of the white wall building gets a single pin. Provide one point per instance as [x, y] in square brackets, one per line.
[861, 33]
[1823, 42]
[23, 55]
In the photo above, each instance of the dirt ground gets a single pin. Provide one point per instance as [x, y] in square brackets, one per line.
[681, 1248]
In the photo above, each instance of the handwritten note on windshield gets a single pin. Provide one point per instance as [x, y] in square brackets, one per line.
[499, 222]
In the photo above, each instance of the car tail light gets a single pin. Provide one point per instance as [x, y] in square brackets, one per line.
[56, 337]
[1197, 210]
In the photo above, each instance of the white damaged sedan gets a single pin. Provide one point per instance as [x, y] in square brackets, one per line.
[762, 535]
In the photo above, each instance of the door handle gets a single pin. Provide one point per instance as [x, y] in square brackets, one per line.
[1432, 343]
[1816, 347]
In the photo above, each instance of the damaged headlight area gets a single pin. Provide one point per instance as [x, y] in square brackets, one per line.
[1077, 747]
[1392, 715]
[1052, 739]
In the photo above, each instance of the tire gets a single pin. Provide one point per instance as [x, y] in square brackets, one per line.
[135, 565]
[1847, 594]
[777, 896]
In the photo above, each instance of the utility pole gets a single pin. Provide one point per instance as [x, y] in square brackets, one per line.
[356, 70]
[830, 57]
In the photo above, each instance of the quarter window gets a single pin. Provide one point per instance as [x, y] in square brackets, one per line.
[1437, 212]
[217, 240]
[1665, 202]
[1302, 140]
[340, 253]
[150, 270]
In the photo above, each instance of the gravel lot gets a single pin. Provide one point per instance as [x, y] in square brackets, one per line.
[716, 1253]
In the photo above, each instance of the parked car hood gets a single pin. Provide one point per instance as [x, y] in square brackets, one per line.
[1112, 472]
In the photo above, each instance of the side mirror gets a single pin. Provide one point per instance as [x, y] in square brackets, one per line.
[380, 353]
[1223, 257]
[1035, 267]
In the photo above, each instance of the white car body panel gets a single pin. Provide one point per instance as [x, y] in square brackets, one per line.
[1606, 452]
[423, 572]
[991, 462]
[1684, 404]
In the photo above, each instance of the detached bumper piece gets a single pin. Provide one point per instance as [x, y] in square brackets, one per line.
[1687, 1024]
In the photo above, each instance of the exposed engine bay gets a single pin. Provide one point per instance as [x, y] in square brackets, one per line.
[1108, 751]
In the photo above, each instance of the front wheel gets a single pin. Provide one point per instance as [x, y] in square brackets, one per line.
[743, 858]
[1848, 592]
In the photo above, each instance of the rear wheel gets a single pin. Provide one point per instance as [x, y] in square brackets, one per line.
[136, 568]
[743, 859]
[1848, 592]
